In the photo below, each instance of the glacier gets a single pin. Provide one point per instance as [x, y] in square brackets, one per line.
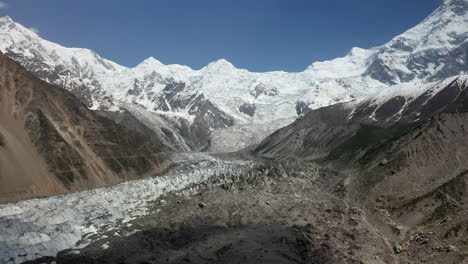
[43, 227]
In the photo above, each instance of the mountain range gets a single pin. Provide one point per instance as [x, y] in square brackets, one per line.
[222, 108]
[360, 159]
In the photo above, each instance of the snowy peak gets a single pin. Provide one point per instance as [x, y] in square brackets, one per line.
[150, 62]
[358, 52]
[353, 64]
[454, 3]
[5, 20]
[153, 64]
[221, 65]
[8, 24]
[432, 50]
[17, 39]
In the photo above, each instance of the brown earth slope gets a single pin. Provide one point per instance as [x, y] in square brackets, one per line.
[50, 143]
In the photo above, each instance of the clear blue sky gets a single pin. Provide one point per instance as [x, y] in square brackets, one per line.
[259, 35]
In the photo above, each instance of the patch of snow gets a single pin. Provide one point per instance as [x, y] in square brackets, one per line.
[104, 246]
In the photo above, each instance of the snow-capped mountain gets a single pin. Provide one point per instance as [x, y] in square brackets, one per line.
[220, 98]
[433, 50]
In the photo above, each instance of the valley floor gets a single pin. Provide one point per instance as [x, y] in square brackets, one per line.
[204, 210]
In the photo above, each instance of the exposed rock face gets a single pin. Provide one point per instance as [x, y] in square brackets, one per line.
[248, 109]
[302, 108]
[52, 143]
[204, 114]
[261, 89]
[379, 71]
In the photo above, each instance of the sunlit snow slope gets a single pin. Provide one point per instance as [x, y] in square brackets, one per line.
[220, 97]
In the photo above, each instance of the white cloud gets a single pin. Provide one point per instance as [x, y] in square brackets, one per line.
[3, 5]
[33, 29]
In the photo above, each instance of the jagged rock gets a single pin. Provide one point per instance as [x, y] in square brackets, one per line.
[248, 109]
[397, 249]
[302, 108]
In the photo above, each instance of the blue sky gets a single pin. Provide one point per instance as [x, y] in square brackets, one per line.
[259, 35]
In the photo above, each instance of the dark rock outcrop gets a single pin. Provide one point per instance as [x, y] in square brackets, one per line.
[206, 116]
[248, 109]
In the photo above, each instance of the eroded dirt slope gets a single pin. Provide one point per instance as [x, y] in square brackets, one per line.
[50, 143]
[416, 187]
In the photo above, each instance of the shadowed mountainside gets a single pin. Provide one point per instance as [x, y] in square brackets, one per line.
[342, 131]
[51, 143]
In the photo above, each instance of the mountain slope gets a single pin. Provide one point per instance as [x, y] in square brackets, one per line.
[405, 151]
[340, 131]
[52, 144]
[222, 98]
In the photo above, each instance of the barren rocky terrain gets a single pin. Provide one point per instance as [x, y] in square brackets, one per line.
[290, 212]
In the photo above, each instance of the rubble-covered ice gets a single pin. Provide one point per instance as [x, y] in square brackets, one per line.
[43, 227]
